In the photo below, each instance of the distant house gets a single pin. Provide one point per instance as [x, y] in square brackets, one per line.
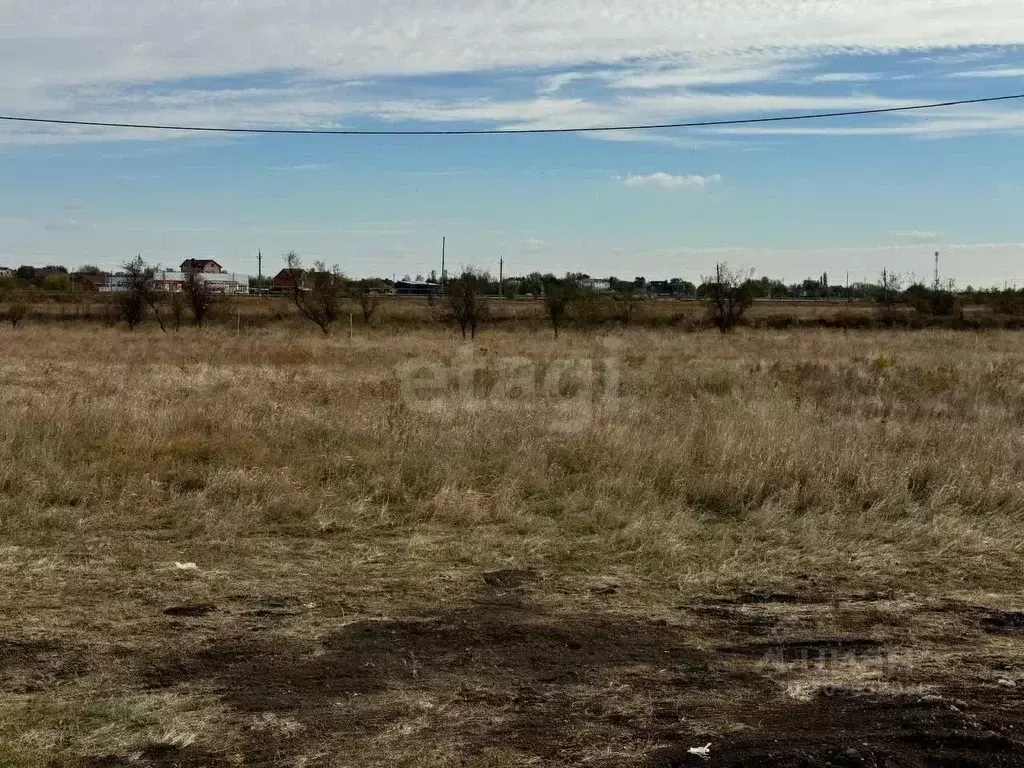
[287, 279]
[415, 288]
[6, 272]
[170, 281]
[92, 282]
[42, 273]
[204, 266]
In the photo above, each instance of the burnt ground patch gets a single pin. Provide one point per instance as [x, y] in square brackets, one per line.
[1004, 622]
[760, 597]
[873, 732]
[161, 756]
[551, 686]
[191, 610]
[567, 689]
[27, 666]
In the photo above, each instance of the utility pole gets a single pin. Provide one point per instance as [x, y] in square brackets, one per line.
[936, 270]
[501, 275]
[259, 279]
[849, 296]
[443, 273]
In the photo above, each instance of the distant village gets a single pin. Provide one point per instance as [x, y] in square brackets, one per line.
[59, 279]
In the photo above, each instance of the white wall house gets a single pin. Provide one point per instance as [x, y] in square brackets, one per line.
[172, 281]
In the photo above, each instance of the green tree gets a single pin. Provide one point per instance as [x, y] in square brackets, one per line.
[729, 297]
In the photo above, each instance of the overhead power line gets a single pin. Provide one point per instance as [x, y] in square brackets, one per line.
[507, 131]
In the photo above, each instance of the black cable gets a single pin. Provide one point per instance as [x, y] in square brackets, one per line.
[506, 131]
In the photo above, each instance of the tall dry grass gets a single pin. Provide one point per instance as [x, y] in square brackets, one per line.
[752, 456]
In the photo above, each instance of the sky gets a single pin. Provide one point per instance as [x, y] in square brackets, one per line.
[790, 200]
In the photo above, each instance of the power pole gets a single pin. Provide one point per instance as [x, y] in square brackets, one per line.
[443, 273]
[259, 279]
[936, 270]
[501, 275]
[849, 296]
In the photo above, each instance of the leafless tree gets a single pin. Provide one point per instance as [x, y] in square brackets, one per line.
[890, 285]
[729, 296]
[318, 292]
[177, 307]
[627, 300]
[369, 300]
[199, 296]
[464, 302]
[557, 297]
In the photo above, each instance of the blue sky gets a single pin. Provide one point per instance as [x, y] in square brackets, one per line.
[791, 199]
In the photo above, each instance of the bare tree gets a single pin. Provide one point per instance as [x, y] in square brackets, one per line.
[890, 285]
[199, 296]
[318, 292]
[140, 293]
[627, 300]
[464, 301]
[177, 302]
[369, 300]
[729, 296]
[557, 297]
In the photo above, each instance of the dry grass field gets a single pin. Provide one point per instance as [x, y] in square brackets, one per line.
[271, 548]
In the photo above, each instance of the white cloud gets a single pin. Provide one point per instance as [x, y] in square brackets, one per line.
[119, 40]
[847, 77]
[121, 61]
[664, 180]
[65, 225]
[552, 84]
[730, 71]
[918, 235]
[993, 72]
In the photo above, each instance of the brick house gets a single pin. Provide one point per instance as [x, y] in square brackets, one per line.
[286, 279]
[204, 266]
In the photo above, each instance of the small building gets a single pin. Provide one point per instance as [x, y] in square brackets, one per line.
[204, 266]
[91, 282]
[416, 288]
[6, 272]
[287, 279]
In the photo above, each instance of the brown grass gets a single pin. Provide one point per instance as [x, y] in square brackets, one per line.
[285, 464]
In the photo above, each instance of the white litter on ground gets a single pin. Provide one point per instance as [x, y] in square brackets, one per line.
[704, 751]
[186, 566]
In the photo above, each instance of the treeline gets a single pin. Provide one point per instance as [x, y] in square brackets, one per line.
[326, 297]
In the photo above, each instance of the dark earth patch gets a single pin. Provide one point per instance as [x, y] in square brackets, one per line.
[869, 732]
[594, 688]
[1009, 622]
[161, 756]
[762, 597]
[535, 683]
[27, 666]
[193, 610]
